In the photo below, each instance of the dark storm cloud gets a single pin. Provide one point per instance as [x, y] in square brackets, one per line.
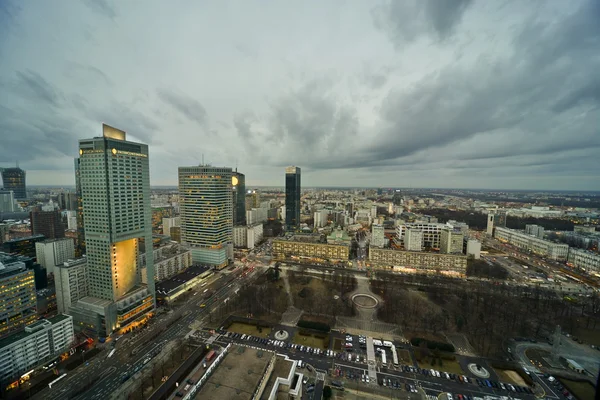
[37, 87]
[408, 20]
[189, 107]
[101, 7]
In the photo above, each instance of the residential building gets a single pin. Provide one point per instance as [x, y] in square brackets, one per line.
[535, 230]
[451, 241]
[248, 236]
[588, 261]
[115, 190]
[169, 260]
[432, 233]
[47, 223]
[205, 205]
[7, 201]
[309, 247]
[378, 238]
[14, 179]
[474, 248]
[37, 344]
[238, 187]
[522, 240]
[321, 218]
[257, 215]
[17, 287]
[418, 262]
[292, 198]
[71, 282]
[169, 223]
[50, 253]
[413, 239]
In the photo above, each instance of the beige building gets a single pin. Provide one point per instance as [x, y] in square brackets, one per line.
[419, 262]
[451, 242]
[71, 282]
[308, 247]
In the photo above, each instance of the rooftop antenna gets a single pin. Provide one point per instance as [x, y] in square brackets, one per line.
[236, 161]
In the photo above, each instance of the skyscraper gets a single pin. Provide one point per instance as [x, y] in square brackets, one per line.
[80, 248]
[238, 183]
[206, 208]
[292, 198]
[115, 191]
[14, 179]
[47, 223]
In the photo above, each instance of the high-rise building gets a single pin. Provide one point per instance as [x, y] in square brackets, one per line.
[535, 230]
[238, 184]
[71, 280]
[67, 201]
[7, 201]
[451, 241]
[18, 305]
[292, 198]
[490, 224]
[53, 252]
[413, 239]
[47, 223]
[378, 236]
[115, 191]
[206, 209]
[80, 248]
[169, 223]
[14, 179]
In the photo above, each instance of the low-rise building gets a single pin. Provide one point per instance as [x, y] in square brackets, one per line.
[522, 240]
[38, 343]
[418, 262]
[586, 260]
[168, 290]
[71, 283]
[309, 247]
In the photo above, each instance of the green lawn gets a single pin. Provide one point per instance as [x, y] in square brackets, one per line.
[248, 329]
[404, 357]
[450, 366]
[310, 341]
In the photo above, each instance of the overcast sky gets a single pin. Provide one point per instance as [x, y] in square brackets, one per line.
[423, 93]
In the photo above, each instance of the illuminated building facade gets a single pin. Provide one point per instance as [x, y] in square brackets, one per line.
[14, 179]
[292, 198]
[17, 291]
[418, 261]
[301, 247]
[115, 191]
[238, 185]
[205, 206]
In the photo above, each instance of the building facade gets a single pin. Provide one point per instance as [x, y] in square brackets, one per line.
[238, 187]
[451, 242]
[7, 201]
[205, 205]
[169, 223]
[47, 223]
[378, 236]
[308, 249]
[71, 282]
[413, 239]
[169, 260]
[17, 291]
[419, 262]
[80, 249]
[522, 240]
[292, 198]
[115, 189]
[432, 233]
[588, 261]
[14, 179]
[51, 253]
[38, 343]
[474, 249]
[535, 230]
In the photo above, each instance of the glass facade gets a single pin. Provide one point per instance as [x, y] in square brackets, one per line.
[14, 179]
[292, 198]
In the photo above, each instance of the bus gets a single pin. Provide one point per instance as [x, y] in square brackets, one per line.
[56, 380]
[210, 356]
[112, 352]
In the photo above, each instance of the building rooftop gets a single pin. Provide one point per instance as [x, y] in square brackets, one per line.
[15, 337]
[173, 283]
[238, 375]
[281, 369]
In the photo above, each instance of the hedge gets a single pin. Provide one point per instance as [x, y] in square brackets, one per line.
[432, 345]
[317, 326]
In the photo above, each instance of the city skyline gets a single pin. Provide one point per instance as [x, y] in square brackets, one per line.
[399, 94]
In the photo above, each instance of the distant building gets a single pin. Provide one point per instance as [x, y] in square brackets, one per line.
[71, 282]
[292, 198]
[14, 179]
[175, 233]
[47, 223]
[490, 224]
[522, 240]
[169, 260]
[413, 239]
[24, 246]
[309, 248]
[451, 242]
[7, 201]
[18, 305]
[474, 249]
[169, 223]
[535, 230]
[37, 344]
[419, 262]
[321, 217]
[500, 218]
[586, 260]
[206, 213]
[378, 236]
[432, 233]
[67, 201]
[247, 236]
[238, 186]
[80, 249]
[50, 253]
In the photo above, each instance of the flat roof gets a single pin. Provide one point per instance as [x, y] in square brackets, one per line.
[15, 337]
[238, 375]
[171, 284]
[281, 369]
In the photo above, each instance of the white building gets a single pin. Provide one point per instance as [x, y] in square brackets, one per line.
[7, 201]
[72, 223]
[51, 253]
[378, 236]
[40, 342]
[535, 230]
[168, 223]
[474, 248]
[257, 215]
[169, 260]
[432, 232]
[321, 217]
[520, 239]
[413, 239]
[451, 242]
[490, 224]
[373, 211]
[71, 282]
[584, 259]
[247, 236]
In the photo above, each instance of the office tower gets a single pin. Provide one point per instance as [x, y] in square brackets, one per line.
[292, 198]
[206, 208]
[7, 201]
[378, 236]
[451, 241]
[71, 280]
[238, 184]
[53, 252]
[67, 201]
[115, 191]
[490, 224]
[24, 246]
[80, 249]
[14, 179]
[18, 305]
[47, 223]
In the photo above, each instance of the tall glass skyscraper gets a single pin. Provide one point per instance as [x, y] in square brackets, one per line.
[292, 198]
[206, 208]
[238, 184]
[114, 180]
[14, 179]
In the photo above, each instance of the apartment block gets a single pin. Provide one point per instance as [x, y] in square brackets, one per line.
[522, 240]
[306, 247]
[419, 262]
[71, 280]
[51, 253]
[587, 260]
